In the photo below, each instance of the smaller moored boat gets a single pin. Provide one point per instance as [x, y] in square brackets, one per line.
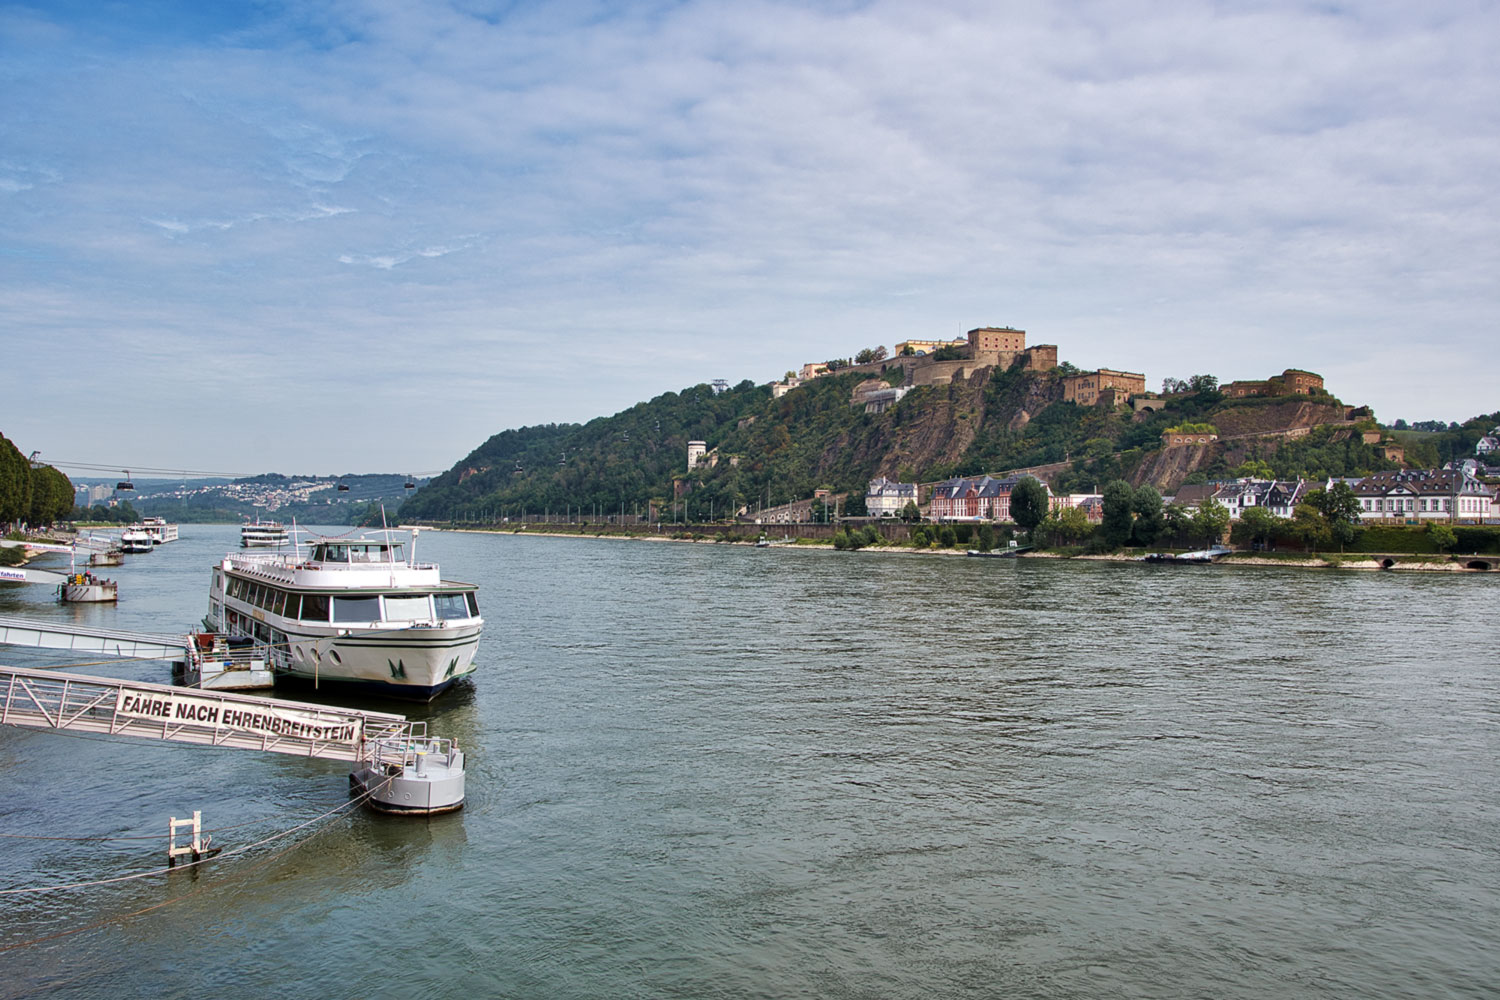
[158, 528]
[1198, 557]
[86, 588]
[1009, 552]
[113, 556]
[136, 540]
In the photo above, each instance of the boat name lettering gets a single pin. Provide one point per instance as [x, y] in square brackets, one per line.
[266, 720]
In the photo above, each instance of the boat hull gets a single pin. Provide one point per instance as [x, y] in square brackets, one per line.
[101, 592]
[411, 663]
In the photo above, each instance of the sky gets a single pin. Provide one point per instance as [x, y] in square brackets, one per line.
[339, 236]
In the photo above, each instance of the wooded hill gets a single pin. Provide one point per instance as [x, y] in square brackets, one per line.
[812, 437]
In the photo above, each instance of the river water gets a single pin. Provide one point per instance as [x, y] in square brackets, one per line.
[720, 771]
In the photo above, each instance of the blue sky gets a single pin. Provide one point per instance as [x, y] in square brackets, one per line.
[363, 236]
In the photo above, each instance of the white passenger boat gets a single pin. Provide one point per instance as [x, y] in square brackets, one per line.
[264, 535]
[158, 528]
[358, 613]
[134, 539]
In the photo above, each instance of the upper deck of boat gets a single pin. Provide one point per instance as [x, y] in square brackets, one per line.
[341, 565]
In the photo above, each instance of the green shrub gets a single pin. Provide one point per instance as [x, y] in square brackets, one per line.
[1473, 538]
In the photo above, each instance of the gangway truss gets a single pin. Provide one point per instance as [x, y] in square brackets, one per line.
[397, 763]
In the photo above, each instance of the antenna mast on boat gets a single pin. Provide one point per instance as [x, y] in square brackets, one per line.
[390, 552]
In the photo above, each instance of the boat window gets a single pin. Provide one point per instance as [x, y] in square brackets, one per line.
[278, 602]
[293, 602]
[252, 596]
[315, 607]
[334, 553]
[407, 608]
[473, 604]
[450, 606]
[356, 609]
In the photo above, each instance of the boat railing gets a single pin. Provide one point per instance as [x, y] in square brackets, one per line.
[313, 564]
[214, 647]
[413, 748]
[259, 560]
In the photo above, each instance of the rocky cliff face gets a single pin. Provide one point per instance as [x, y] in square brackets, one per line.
[1283, 414]
[1166, 469]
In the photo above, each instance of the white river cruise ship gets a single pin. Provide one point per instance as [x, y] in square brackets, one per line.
[354, 612]
[263, 535]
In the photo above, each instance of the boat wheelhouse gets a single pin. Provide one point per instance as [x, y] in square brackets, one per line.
[353, 612]
[260, 534]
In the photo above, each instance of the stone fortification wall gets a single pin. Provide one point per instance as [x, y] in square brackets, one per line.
[945, 372]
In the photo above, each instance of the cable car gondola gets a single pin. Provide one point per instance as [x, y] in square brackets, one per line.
[343, 487]
[410, 483]
[125, 484]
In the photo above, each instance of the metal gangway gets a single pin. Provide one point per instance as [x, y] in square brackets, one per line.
[211, 663]
[53, 699]
[398, 765]
[43, 634]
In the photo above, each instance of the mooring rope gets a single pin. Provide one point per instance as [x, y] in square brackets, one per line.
[202, 888]
[190, 864]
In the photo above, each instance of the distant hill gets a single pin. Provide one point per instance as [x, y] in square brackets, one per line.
[309, 499]
[776, 450]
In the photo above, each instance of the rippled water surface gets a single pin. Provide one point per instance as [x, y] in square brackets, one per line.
[711, 771]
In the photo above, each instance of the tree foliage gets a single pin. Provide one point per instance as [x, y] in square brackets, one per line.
[1150, 518]
[1072, 525]
[1028, 502]
[1443, 536]
[15, 483]
[1339, 508]
[1119, 517]
[1259, 525]
[51, 496]
[1211, 520]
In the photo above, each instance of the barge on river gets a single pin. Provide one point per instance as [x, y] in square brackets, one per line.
[357, 613]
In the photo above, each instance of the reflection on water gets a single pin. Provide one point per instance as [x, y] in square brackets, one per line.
[722, 771]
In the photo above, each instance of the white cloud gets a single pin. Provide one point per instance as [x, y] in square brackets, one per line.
[734, 189]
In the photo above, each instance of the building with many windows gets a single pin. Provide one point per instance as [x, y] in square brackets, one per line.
[885, 498]
[1413, 495]
[984, 498]
[1103, 386]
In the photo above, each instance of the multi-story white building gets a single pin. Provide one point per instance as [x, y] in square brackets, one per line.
[884, 498]
[1424, 495]
[1278, 497]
